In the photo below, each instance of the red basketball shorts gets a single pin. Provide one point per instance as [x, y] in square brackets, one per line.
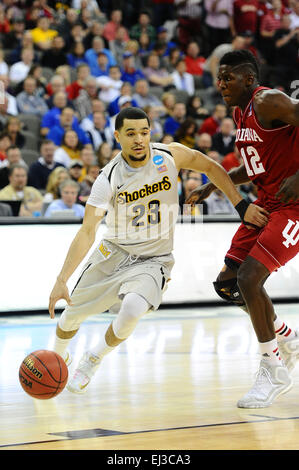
[273, 245]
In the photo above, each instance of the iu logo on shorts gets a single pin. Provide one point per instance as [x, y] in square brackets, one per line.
[291, 233]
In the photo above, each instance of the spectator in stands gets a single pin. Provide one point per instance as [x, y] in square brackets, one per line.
[270, 23]
[40, 170]
[104, 154]
[65, 26]
[13, 128]
[118, 45]
[69, 191]
[91, 56]
[155, 75]
[212, 63]
[56, 55]
[132, 47]
[5, 142]
[294, 14]
[143, 26]
[28, 102]
[13, 156]
[88, 158]
[95, 30]
[143, 97]
[219, 22]
[126, 90]
[97, 130]
[211, 125]
[162, 38]
[51, 117]
[189, 21]
[70, 149]
[89, 179]
[168, 100]
[56, 177]
[112, 26]
[67, 122]
[156, 127]
[245, 16]
[185, 134]
[183, 80]
[286, 41]
[76, 55]
[56, 83]
[89, 92]
[14, 37]
[195, 108]
[82, 73]
[129, 71]
[19, 71]
[218, 203]
[75, 170]
[204, 145]
[232, 160]
[194, 61]
[42, 35]
[110, 85]
[224, 140]
[4, 116]
[17, 190]
[173, 122]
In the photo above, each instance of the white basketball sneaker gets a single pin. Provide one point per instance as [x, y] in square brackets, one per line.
[289, 351]
[271, 381]
[87, 366]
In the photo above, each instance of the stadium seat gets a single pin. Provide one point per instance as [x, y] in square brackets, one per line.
[31, 123]
[31, 141]
[29, 156]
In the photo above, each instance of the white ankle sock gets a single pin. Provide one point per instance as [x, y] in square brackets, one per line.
[283, 331]
[101, 349]
[270, 352]
[60, 345]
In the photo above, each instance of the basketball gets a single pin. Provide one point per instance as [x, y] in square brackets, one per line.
[43, 374]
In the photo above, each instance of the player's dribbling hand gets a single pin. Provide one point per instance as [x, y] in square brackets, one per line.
[289, 189]
[59, 291]
[256, 216]
[199, 194]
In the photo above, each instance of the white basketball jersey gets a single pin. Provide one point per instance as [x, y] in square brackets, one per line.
[144, 207]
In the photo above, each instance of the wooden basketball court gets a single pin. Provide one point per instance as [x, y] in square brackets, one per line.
[173, 385]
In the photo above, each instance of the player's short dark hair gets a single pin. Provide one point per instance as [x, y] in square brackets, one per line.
[129, 113]
[241, 57]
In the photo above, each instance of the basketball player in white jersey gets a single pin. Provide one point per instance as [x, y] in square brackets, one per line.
[132, 264]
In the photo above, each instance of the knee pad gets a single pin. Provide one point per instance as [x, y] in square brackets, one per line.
[133, 307]
[229, 291]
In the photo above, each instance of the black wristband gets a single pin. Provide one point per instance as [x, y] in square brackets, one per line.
[241, 208]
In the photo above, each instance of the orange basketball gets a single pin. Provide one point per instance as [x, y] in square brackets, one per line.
[43, 374]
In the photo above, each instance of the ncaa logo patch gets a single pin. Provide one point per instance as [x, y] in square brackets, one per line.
[158, 160]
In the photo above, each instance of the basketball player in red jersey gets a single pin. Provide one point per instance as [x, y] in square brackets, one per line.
[268, 140]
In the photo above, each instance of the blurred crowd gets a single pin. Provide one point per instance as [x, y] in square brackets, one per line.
[67, 68]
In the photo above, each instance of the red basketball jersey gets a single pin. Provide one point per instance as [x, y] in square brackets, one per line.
[269, 155]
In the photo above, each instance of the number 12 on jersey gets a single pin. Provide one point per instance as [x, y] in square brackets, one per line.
[252, 161]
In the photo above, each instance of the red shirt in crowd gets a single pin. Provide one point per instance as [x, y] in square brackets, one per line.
[194, 66]
[245, 15]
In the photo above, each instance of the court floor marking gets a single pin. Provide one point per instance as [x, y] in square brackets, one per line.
[98, 432]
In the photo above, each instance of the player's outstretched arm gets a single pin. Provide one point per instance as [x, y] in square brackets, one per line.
[194, 160]
[79, 248]
[238, 176]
